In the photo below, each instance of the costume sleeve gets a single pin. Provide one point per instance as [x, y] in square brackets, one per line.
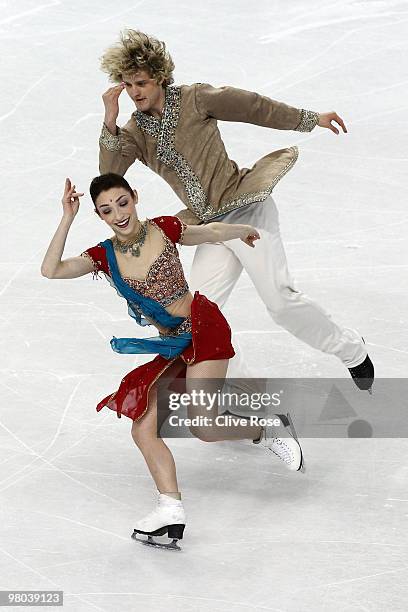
[173, 227]
[232, 104]
[97, 255]
[117, 153]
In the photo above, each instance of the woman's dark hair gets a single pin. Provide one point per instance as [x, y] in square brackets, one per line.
[105, 182]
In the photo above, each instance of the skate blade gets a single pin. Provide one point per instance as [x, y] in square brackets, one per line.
[370, 390]
[151, 542]
[302, 467]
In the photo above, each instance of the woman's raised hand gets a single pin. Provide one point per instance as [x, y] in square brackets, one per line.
[70, 200]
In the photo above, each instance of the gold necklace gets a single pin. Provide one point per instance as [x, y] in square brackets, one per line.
[134, 244]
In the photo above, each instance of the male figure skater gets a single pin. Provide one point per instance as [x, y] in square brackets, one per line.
[174, 132]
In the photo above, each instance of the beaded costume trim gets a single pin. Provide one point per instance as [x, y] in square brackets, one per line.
[95, 272]
[254, 196]
[169, 283]
[308, 121]
[183, 328]
[183, 229]
[109, 141]
[148, 123]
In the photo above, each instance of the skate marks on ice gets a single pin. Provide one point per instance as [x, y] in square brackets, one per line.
[347, 551]
[46, 581]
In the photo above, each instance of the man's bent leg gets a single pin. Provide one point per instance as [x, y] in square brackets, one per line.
[266, 265]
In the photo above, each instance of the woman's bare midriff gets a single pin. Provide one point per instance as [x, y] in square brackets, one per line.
[179, 308]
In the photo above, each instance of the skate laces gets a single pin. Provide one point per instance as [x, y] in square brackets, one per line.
[282, 450]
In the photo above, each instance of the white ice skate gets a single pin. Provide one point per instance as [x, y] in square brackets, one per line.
[169, 517]
[288, 448]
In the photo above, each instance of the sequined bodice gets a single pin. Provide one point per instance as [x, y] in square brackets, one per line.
[165, 281]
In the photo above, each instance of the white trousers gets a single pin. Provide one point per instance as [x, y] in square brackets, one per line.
[217, 267]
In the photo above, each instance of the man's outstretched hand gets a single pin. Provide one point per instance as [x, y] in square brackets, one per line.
[326, 119]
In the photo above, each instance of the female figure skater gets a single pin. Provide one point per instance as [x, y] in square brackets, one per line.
[141, 262]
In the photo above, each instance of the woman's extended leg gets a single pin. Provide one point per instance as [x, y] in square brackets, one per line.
[203, 376]
[156, 453]
[208, 376]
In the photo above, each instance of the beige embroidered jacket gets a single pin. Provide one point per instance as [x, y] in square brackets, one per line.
[185, 148]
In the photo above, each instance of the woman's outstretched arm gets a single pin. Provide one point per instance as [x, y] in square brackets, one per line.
[52, 266]
[219, 232]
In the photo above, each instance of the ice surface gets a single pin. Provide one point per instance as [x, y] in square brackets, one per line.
[72, 482]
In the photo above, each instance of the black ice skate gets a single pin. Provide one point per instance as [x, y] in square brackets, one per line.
[363, 375]
[168, 518]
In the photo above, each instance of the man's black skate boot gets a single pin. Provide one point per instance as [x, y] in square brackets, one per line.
[363, 375]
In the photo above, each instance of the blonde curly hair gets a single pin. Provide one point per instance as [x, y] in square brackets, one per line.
[137, 51]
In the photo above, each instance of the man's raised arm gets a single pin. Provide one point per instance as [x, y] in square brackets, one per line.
[118, 149]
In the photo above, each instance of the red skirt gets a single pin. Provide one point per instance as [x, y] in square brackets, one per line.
[211, 339]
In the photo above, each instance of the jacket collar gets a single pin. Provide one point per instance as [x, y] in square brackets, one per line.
[163, 130]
